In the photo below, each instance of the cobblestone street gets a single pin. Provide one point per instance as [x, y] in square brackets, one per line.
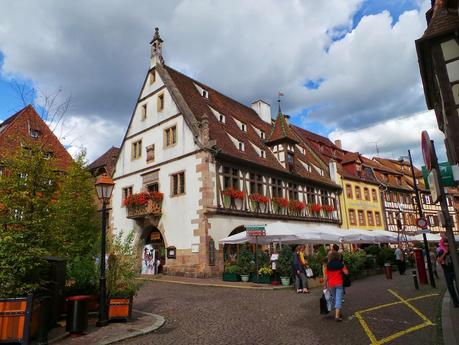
[212, 315]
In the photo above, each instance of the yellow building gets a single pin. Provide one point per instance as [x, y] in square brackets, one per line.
[361, 202]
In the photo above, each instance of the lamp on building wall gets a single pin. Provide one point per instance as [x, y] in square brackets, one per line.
[104, 187]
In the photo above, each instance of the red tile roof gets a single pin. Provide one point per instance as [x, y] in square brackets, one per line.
[106, 161]
[444, 20]
[233, 110]
[281, 131]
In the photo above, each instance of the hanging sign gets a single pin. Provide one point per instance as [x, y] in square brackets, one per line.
[446, 175]
[422, 223]
[255, 230]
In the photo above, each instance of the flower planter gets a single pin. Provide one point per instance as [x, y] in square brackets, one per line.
[261, 279]
[153, 207]
[285, 281]
[231, 277]
[245, 277]
[15, 318]
[226, 201]
[120, 307]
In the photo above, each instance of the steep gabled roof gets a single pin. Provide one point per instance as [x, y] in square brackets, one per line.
[222, 133]
[16, 130]
[106, 161]
[281, 132]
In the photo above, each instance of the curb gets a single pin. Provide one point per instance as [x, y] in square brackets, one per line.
[449, 337]
[157, 324]
[216, 285]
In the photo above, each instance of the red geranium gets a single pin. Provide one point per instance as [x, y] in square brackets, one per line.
[258, 198]
[141, 199]
[280, 201]
[157, 196]
[234, 193]
[316, 207]
[296, 205]
[328, 208]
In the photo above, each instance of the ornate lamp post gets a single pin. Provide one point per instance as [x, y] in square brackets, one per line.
[104, 188]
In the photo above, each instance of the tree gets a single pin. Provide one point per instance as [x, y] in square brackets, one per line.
[28, 188]
[76, 224]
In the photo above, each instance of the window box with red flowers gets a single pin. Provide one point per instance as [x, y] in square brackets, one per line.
[280, 205]
[258, 202]
[296, 207]
[329, 209]
[315, 208]
[143, 204]
[230, 196]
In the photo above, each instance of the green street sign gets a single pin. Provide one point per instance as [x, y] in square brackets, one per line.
[446, 175]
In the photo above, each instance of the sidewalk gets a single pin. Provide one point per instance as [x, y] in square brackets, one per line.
[450, 320]
[218, 282]
[141, 323]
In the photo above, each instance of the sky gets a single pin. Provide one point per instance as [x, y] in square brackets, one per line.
[348, 68]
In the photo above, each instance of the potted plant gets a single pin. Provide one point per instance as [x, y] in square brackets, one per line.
[121, 273]
[279, 204]
[284, 265]
[315, 208]
[230, 195]
[296, 207]
[328, 209]
[258, 202]
[231, 273]
[264, 274]
[245, 262]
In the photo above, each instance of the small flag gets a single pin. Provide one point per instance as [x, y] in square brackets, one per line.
[280, 94]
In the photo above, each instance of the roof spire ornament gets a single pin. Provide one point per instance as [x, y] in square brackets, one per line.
[156, 50]
[279, 95]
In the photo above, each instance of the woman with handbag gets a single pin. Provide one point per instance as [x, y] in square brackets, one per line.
[334, 272]
[305, 266]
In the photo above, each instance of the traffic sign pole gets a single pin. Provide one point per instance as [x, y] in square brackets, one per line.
[424, 237]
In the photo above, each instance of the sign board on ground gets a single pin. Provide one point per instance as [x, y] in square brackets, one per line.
[446, 175]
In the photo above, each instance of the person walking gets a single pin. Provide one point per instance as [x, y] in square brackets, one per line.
[334, 281]
[444, 259]
[433, 260]
[299, 272]
[400, 259]
[304, 265]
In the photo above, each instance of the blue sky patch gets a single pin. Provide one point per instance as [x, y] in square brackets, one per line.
[395, 8]
[313, 84]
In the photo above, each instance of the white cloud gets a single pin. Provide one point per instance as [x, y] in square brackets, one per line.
[98, 53]
[394, 137]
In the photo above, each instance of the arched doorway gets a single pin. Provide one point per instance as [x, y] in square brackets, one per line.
[153, 251]
[231, 251]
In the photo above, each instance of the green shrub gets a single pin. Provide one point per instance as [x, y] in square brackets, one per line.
[284, 263]
[355, 261]
[232, 269]
[385, 255]
[245, 260]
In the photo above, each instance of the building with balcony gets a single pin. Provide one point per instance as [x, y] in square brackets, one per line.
[195, 166]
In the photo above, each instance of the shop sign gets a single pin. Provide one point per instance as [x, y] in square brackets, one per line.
[155, 236]
[255, 230]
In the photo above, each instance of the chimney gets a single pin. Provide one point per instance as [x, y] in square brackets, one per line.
[333, 169]
[263, 109]
[287, 119]
[338, 143]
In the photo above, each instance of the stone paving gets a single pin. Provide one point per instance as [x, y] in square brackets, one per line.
[210, 315]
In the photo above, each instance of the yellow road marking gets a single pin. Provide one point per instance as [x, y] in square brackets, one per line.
[401, 300]
[210, 284]
[409, 305]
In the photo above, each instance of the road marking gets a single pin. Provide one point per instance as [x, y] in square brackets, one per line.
[401, 300]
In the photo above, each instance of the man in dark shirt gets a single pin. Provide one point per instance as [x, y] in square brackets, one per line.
[444, 259]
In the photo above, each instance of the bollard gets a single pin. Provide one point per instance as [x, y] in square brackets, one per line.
[415, 279]
[388, 270]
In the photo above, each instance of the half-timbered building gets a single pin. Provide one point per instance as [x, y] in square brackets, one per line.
[195, 166]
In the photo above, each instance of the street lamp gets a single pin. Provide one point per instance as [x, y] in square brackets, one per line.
[104, 187]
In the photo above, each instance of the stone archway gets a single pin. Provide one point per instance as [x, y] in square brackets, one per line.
[230, 251]
[153, 250]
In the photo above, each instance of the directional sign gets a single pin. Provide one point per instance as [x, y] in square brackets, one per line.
[255, 230]
[422, 223]
[446, 175]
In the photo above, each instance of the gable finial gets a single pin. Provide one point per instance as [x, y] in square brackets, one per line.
[279, 95]
[156, 49]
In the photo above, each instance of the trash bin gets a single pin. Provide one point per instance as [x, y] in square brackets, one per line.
[77, 314]
[388, 270]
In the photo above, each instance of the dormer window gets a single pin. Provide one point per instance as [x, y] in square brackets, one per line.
[262, 134]
[34, 133]
[205, 94]
[290, 161]
[221, 118]
[263, 154]
[241, 146]
[243, 127]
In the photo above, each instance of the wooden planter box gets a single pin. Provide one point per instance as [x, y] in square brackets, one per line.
[231, 277]
[120, 308]
[151, 208]
[15, 318]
